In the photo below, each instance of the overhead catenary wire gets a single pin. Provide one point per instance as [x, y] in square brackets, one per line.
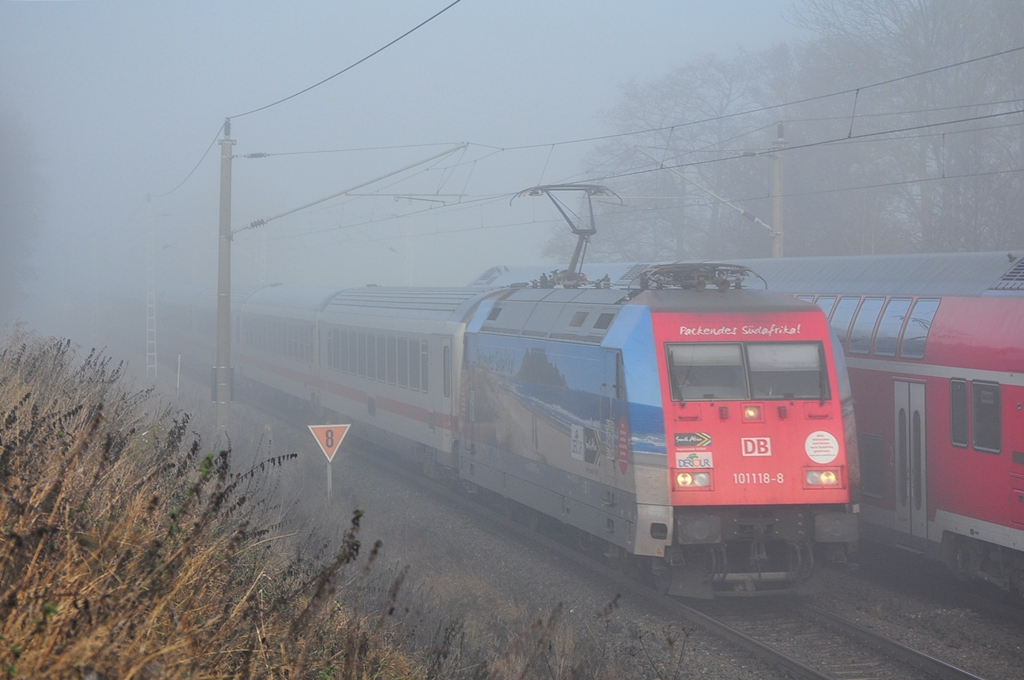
[809, 145]
[490, 199]
[354, 149]
[260, 222]
[350, 66]
[769, 107]
[614, 135]
[303, 91]
[845, 139]
[195, 167]
[648, 170]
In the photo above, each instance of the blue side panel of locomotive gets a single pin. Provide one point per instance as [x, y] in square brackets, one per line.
[633, 334]
[539, 410]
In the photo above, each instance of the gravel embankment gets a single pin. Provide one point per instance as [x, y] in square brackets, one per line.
[494, 589]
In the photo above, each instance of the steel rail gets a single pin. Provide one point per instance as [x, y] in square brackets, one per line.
[896, 650]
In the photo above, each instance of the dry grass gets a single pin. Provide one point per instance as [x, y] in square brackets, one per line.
[126, 551]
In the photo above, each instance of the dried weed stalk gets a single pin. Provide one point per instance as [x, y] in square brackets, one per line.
[128, 552]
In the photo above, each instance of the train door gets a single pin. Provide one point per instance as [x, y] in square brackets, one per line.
[606, 422]
[911, 460]
[447, 406]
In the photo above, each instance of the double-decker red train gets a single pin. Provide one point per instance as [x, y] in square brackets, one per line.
[935, 346]
[683, 422]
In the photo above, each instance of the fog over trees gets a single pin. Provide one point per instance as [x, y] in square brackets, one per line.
[930, 162]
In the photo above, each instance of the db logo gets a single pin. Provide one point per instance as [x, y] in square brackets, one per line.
[756, 446]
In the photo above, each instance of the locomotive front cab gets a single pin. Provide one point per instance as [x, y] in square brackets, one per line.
[758, 471]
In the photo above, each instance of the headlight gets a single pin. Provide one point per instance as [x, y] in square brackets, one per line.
[752, 413]
[688, 480]
[822, 478]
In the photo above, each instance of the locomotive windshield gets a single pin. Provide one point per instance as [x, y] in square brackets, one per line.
[711, 371]
[770, 370]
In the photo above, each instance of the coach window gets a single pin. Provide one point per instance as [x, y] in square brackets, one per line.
[916, 332]
[889, 327]
[712, 371]
[392, 360]
[403, 362]
[447, 371]
[353, 352]
[362, 355]
[414, 364]
[958, 419]
[826, 303]
[842, 315]
[371, 356]
[423, 366]
[986, 414]
[382, 359]
[864, 325]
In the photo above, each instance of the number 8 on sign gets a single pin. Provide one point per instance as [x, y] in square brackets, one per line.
[329, 437]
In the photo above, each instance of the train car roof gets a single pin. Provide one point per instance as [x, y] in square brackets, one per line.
[441, 304]
[292, 297]
[967, 274]
[733, 301]
[620, 274]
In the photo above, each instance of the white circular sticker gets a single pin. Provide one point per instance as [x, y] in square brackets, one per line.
[821, 447]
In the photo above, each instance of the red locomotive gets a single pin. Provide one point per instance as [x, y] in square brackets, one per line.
[679, 421]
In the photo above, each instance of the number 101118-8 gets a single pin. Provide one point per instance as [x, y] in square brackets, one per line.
[757, 477]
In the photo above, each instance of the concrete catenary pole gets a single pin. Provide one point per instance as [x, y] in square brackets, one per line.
[222, 371]
[780, 143]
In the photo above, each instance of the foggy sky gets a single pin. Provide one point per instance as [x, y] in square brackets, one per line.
[122, 100]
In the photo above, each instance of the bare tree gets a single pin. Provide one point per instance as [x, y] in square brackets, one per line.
[951, 205]
[669, 213]
[918, 154]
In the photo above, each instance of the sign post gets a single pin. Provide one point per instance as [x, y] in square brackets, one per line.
[329, 438]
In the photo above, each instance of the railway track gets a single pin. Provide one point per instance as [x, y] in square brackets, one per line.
[799, 639]
[809, 642]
